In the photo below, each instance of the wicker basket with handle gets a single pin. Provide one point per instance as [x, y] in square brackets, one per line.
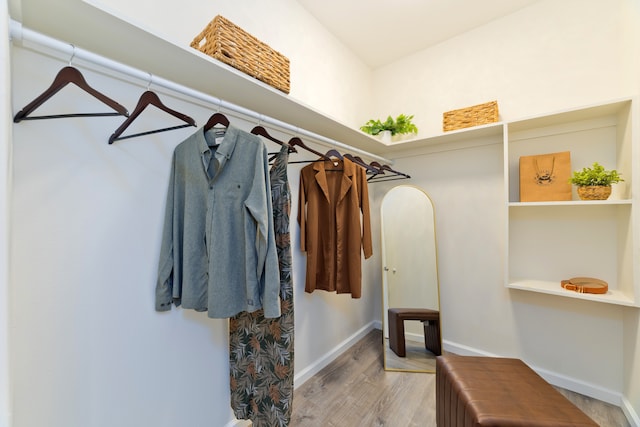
[226, 42]
[471, 116]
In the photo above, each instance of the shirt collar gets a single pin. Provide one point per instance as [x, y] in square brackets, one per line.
[223, 152]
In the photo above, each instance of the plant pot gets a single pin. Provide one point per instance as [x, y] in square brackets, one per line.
[402, 136]
[594, 192]
[385, 136]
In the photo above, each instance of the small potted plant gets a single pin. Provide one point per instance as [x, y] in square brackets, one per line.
[401, 125]
[594, 183]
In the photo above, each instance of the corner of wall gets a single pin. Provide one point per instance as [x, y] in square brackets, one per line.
[629, 411]
[5, 153]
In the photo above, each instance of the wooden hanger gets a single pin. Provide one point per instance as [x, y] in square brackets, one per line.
[357, 160]
[334, 153]
[65, 76]
[216, 119]
[377, 166]
[146, 99]
[259, 130]
[295, 141]
[387, 168]
[383, 177]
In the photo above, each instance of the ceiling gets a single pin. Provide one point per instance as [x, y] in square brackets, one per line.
[383, 31]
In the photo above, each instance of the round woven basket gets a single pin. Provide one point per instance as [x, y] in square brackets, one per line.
[594, 192]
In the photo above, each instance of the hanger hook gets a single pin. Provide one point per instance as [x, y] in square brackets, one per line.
[260, 118]
[150, 81]
[219, 105]
[73, 53]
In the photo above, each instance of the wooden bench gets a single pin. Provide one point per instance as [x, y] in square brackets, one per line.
[431, 323]
[492, 391]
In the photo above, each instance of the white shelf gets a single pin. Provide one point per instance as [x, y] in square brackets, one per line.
[571, 203]
[559, 118]
[555, 240]
[554, 288]
[478, 135]
[89, 25]
[100, 31]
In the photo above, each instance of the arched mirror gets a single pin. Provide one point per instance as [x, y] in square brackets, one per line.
[411, 296]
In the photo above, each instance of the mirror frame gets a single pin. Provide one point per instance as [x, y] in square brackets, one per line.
[384, 282]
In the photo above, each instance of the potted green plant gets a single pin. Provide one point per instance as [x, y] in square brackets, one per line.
[402, 124]
[594, 183]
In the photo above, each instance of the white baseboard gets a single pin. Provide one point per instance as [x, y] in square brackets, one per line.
[581, 387]
[330, 356]
[630, 413]
[408, 336]
[562, 381]
[464, 350]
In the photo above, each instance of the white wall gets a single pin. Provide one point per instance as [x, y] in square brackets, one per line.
[84, 330]
[88, 216]
[324, 73]
[87, 347]
[631, 365]
[5, 143]
[547, 57]
[480, 315]
[632, 317]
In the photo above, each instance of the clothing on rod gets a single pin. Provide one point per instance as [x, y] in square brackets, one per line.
[260, 349]
[333, 198]
[218, 251]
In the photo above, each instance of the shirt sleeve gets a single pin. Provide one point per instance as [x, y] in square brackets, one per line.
[259, 204]
[164, 284]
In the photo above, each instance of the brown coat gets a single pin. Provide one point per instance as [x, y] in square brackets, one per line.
[334, 194]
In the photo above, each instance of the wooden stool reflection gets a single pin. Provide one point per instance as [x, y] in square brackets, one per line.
[429, 318]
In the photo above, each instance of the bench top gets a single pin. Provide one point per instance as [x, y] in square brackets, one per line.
[415, 313]
[495, 391]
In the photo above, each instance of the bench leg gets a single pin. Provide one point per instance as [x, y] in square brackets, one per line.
[396, 336]
[432, 336]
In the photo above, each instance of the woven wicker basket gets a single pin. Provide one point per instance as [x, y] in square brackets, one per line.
[226, 42]
[471, 116]
[594, 192]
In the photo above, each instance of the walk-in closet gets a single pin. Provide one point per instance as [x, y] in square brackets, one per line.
[97, 96]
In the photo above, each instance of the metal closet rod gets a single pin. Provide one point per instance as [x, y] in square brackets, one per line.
[18, 32]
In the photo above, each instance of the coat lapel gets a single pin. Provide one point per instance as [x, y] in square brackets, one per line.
[321, 179]
[347, 178]
[348, 169]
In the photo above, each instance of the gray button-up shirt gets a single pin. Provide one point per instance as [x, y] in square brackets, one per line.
[218, 248]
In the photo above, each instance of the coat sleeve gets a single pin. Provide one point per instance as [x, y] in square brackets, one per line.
[367, 245]
[164, 284]
[260, 206]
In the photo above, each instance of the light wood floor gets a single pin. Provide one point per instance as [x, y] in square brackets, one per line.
[355, 391]
[417, 358]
